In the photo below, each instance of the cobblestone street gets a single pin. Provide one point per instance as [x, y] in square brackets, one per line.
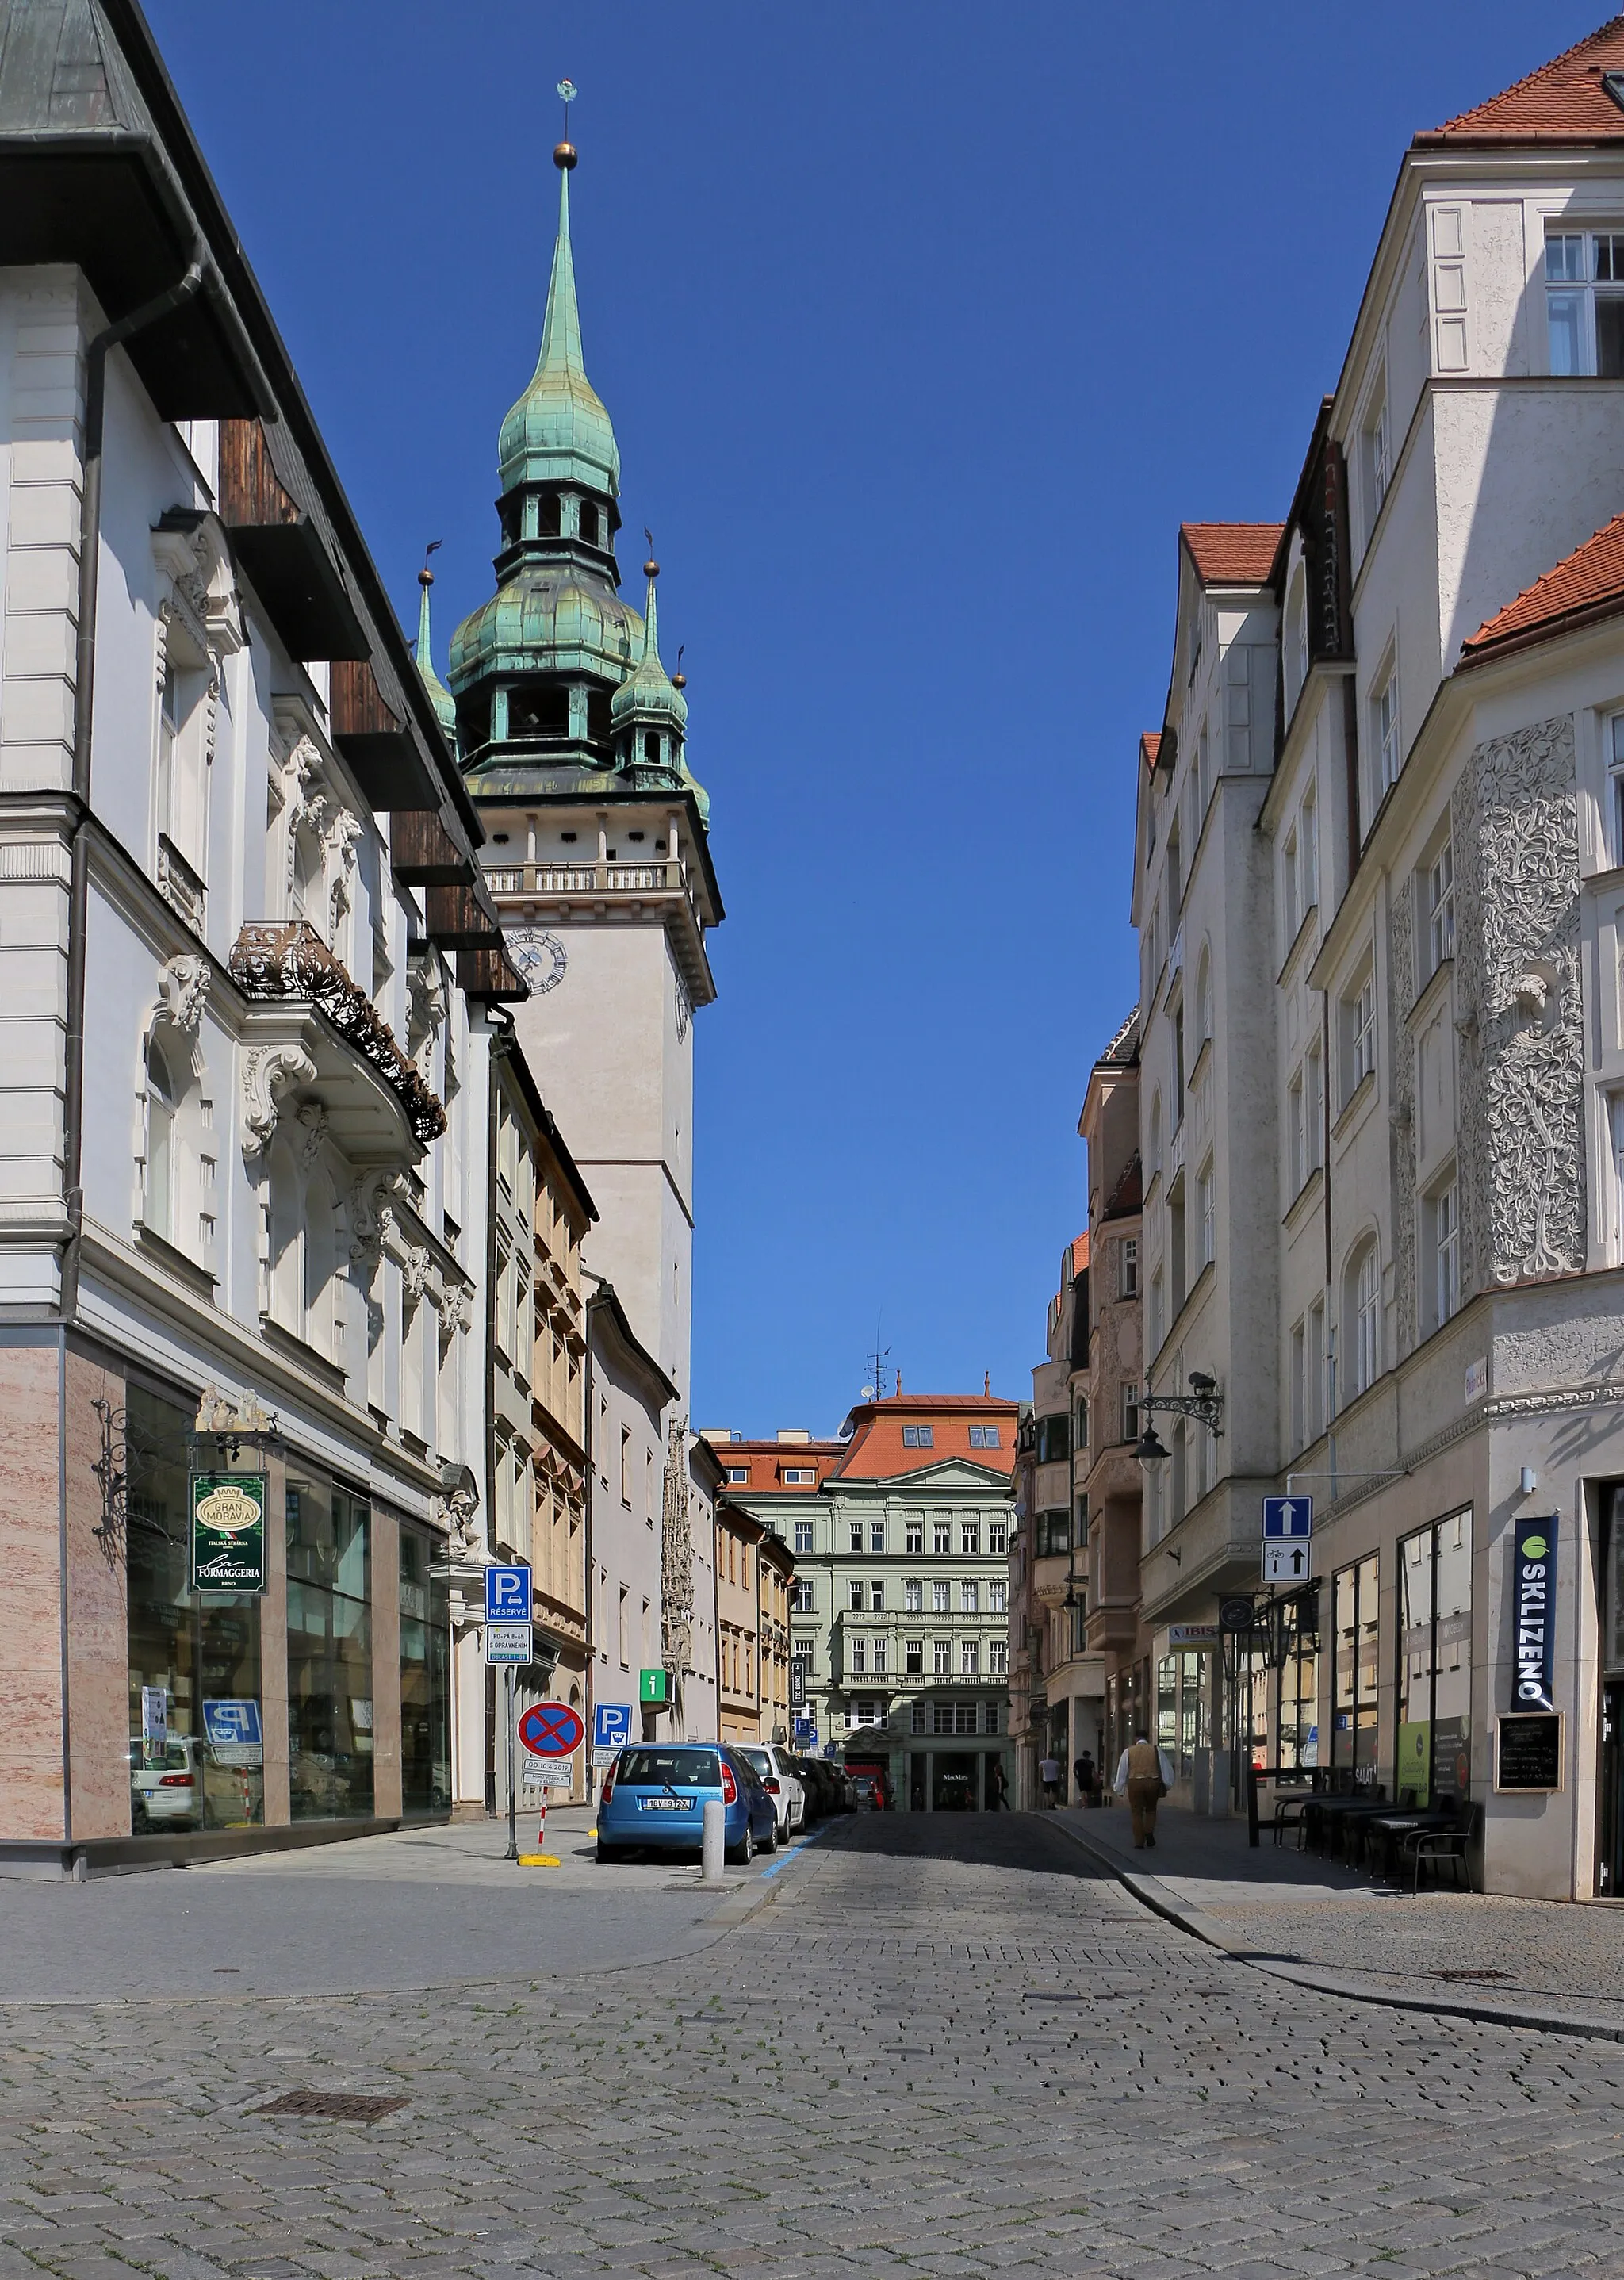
[942, 2046]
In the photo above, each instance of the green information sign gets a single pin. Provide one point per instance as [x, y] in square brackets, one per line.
[654, 1686]
[228, 1532]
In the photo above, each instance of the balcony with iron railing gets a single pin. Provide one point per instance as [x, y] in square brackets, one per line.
[311, 1027]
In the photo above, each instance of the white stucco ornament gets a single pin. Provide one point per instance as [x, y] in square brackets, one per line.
[539, 957]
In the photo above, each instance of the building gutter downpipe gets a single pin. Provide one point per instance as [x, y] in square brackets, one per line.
[110, 337]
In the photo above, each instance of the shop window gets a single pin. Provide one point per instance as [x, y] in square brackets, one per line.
[425, 1680]
[1355, 1594]
[329, 1651]
[196, 1754]
[1434, 1757]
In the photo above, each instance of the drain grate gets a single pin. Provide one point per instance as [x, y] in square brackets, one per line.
[333, 2105]
[1459, 1973]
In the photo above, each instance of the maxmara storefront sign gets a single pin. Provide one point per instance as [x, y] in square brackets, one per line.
[228, 1532]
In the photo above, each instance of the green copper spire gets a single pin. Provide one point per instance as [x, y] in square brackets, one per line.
[649, 699]
[439, 694]
[558, 431]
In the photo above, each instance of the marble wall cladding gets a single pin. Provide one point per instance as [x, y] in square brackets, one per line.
[98, 1619]
[32, 1795]
[386, 1662]
[274, 1650]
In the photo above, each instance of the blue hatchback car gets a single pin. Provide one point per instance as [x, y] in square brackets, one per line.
[656, 1794]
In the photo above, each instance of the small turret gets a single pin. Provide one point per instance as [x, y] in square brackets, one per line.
[439, 694]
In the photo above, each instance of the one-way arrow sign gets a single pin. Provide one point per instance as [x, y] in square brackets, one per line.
[1291, 1517]
[1287, 1563]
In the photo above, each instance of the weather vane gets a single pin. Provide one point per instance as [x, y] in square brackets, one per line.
[567, 92]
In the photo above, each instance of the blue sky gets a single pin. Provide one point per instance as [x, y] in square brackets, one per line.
[922, 326]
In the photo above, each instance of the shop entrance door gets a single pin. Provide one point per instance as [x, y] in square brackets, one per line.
[1610, 1860]
[954, 1789]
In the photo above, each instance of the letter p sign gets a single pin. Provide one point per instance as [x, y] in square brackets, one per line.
[507, 1595]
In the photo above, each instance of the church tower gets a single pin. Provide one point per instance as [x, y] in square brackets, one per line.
[571, 737]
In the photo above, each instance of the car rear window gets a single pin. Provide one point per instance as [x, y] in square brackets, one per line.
[668, 1769]
[760, 1759]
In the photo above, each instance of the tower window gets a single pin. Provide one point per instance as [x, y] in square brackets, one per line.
[588, 522]
[535, 710]
[548, 521]
[599, 728]
[650, 750]
[473, 720]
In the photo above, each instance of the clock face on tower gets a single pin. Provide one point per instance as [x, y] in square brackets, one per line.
[683, 1009]
[540, 958]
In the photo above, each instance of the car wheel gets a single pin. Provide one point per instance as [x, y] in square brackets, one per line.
[774, 1838]
[744, 1851]
[608, 1855]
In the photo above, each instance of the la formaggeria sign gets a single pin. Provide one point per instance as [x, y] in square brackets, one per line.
[228, 1532]
[1533, 1607]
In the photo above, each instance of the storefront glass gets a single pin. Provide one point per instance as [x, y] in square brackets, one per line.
[329, 1651]
[1434, 1662]
[425, 1680]
[1353, 1712]
[1182, 1720]
[1298, 1716]
[196, 1755]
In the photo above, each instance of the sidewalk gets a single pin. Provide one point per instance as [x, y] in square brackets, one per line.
[1539, 1963]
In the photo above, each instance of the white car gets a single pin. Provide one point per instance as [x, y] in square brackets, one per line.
[170, 1795]
[782, 1783]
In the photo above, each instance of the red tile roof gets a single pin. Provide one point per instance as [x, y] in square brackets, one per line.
[1564, 101]
[1149, 744]
[763, 1464]
[1080, 1254]
[1234, 553]
[1589, 583]
[875, 1451]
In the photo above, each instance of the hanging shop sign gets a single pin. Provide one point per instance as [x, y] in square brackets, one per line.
[1534, 1580]
[228, 1532]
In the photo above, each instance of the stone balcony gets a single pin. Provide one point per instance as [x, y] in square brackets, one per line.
[313, 1031]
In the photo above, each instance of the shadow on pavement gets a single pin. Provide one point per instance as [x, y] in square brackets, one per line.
[981, 1840]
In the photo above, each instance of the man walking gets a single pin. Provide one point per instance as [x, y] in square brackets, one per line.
[1146, 1773]
[1048, 1774]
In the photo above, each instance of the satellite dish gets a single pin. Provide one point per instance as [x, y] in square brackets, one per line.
[868, 1393]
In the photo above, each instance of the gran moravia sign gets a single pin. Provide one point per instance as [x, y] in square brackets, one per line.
[1533, 1585]
[228, 1532]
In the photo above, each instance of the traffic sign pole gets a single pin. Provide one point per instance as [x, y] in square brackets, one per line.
[512, 1775]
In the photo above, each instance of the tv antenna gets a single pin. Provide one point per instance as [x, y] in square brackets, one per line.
[874, 1364]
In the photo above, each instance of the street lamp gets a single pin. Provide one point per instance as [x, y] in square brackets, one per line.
[1205, 1403]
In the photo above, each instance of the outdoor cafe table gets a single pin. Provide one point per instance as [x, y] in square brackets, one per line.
[1330, 1818]
[1378, 1840]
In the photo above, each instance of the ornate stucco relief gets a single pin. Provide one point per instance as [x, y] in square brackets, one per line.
[1515, 819]
[1401, 986]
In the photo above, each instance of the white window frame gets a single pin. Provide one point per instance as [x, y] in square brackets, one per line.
[1206, 1214]
[1297, 1136]
[1386, 747]
[1441, 906]
[1444, 1220]
[1130, 1411]
[1367, 1320]
[1128, 1267]
[1582, 268]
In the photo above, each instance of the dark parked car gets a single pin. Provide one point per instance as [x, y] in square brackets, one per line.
[656, 1795]
[818, 1785]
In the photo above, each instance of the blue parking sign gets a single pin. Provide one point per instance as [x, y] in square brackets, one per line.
[507, 1595]
[611, 1725]
[1290, 1518]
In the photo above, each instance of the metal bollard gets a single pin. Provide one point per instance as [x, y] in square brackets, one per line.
[715, 1842]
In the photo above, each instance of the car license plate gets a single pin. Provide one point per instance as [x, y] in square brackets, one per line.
[663, 1805]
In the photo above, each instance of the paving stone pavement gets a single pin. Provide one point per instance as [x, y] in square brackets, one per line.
[939, 2047]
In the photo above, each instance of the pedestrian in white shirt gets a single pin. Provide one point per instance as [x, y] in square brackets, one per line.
[1146, 1774]
[1048, 1774]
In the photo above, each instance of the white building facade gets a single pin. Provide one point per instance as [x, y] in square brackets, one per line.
[1383, 1048]
[242, 1097]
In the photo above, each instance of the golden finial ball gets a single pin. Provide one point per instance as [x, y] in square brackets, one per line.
[651, 569]
[563, 156]
[679, 680]
[426, 576]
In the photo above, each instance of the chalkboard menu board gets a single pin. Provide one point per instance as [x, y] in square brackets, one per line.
[1528, 1751]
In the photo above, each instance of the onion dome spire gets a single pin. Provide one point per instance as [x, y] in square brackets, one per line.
[558, 431]
[648, 715]
[440, 696]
